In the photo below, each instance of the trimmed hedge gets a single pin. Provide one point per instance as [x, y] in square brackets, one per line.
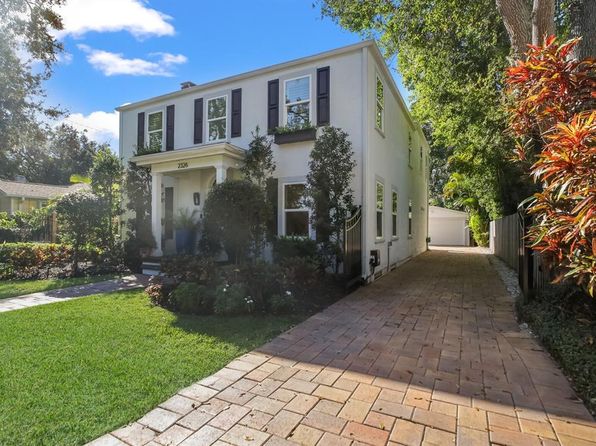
[33, 260]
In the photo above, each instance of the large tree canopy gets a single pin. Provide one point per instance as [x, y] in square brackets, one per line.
[25, 27]
[452, 56]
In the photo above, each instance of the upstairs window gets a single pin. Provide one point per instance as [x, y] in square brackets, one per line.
[297, 101]
[380, 192]
[217, 109]
[393, 213]
[380, 109]
[296, 214]
[155, 130]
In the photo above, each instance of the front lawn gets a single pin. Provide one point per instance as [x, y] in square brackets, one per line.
[75, 370]
[13, 288]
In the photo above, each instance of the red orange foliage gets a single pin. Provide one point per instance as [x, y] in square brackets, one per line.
[553, 108]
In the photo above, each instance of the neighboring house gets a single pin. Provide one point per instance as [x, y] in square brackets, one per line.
[23, 196]
[203, 131]
[447, 227]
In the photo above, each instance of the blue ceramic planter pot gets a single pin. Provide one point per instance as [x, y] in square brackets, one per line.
[185, 241]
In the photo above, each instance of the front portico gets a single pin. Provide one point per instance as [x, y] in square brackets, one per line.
[181, 179]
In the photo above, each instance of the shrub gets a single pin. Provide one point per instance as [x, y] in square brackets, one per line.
[191, 298]
[300, 275]
[235, 215]
[478, 226]
[261, 280]
[287, 247]
[189, 268]
[38, 260]
[232, 300]
[552, 115]
[160, 291]
[79, 216]
[283, 303]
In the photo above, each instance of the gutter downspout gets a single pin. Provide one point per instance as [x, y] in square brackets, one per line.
[365, 163]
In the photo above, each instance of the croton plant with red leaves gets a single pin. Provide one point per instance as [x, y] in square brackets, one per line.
[553, 109]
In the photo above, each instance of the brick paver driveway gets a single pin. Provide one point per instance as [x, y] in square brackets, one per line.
[430, 354]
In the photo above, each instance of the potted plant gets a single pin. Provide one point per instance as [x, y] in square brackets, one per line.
[295, 133]
[186, 227]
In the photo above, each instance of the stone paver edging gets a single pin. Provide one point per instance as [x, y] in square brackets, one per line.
[430, 354]
[73, 292]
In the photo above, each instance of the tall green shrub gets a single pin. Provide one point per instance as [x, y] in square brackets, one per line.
[328, 192]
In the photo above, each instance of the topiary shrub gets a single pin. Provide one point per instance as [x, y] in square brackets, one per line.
[192, 298]
[232, 300]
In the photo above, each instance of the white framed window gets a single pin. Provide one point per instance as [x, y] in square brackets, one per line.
[155, 130]
[394, 213]
[380, 107]
[380, 195]
[296, 214]
[410, 217]
[217, 118]
[297, 101]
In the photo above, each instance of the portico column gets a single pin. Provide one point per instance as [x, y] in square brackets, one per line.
[156, 178]
[221, 172]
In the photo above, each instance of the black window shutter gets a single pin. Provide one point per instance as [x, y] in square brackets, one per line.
[140, 131]
[170, 127]
[272, 105]
[323, 117]
[198, 127]
[236, 112]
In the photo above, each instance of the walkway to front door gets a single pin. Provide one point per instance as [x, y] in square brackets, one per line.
[430, 354]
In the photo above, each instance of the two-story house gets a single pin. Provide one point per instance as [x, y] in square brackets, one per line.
[203, 131]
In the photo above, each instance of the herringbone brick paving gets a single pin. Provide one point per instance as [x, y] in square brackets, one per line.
[430, 354]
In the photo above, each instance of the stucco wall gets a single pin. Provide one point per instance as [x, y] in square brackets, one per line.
[387, 161]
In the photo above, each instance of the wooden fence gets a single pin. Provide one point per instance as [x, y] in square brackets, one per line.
[507, 243]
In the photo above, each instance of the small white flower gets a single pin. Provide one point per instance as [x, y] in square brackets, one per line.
[288, 293]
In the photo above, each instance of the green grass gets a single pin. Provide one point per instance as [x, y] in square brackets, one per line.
[12, 288]
[72, 371]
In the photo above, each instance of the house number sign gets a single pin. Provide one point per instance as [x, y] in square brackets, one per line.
[183, 165]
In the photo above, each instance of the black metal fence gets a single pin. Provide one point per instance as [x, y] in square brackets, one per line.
[353, 247]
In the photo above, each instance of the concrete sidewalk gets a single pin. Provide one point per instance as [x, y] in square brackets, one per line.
[73, 292]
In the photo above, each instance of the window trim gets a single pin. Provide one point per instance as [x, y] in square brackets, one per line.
[286, 105]
[394, 214]
[284, 210]
[148, 133]
[381, 210]
[382, 104]
[207, 120]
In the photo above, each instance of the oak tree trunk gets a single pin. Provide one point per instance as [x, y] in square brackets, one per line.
[543, 20]
[517, 17]
[582, 17]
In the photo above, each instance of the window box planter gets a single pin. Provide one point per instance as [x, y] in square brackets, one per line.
[309, 134]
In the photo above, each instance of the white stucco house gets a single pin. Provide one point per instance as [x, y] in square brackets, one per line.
[203, 131]
[448, 227]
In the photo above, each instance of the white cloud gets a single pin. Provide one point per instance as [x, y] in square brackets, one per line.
[82, 16]
[100, 126]
[112, 64]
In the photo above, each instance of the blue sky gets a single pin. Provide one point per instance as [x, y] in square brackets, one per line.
[120, 51]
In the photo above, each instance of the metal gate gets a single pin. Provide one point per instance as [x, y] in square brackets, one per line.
[353, 247]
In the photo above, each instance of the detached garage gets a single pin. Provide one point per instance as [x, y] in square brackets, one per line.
[447, 227]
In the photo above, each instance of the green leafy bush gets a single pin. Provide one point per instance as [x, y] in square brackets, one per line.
[283, 303]
[479, 228]
[160, 292]
[232, 300]
[189, 268]
[287, 247]
[564, 319]
[300, 275]
[192, 298]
